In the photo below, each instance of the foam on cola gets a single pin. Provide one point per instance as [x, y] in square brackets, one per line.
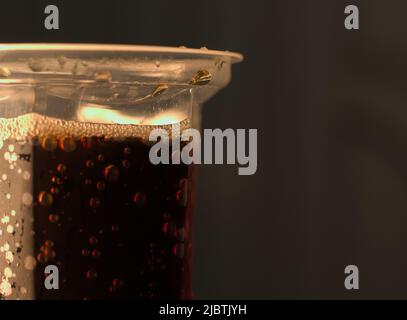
[86, 198]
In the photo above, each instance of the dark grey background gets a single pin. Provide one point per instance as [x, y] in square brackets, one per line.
[331, 109]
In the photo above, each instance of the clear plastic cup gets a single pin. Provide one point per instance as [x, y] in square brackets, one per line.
[84, 214]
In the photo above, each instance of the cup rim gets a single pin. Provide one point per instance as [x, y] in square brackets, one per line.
[232, 57]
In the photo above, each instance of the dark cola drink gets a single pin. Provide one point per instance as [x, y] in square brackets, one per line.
[85, 198]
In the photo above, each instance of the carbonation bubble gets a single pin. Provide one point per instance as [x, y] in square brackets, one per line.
[117, 283]
[67, 144]
[183, 183]
[93, 241]
[111, 173]
[91, 274]
[85, 252]
[182, 194]
[90, 164]
[94, 202]
[88, 181]
[126, 164]
[100, 186]
[41, 258]
[54, 190]
[56, 180]
[170, 228]
[86, 142]
[181, 234]
[140, 199]
[49, 243]
[115, 228]
[96, 253]
[49, 143]
[45, 199]
[101, 157]
[53, 218]
[179, 250]
[61, 168]
[127, 151]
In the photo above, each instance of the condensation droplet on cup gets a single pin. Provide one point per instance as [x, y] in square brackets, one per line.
[202, 77]
[161, 88]
[9, 257]
[36, 65]
[10, 229]
[27, 199]
[102, 76]
[30, 263]
[26, 175]
[5, 72]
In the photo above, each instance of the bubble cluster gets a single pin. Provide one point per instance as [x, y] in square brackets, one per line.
[33, 125]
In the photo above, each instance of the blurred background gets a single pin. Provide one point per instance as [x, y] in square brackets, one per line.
[331, 113]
